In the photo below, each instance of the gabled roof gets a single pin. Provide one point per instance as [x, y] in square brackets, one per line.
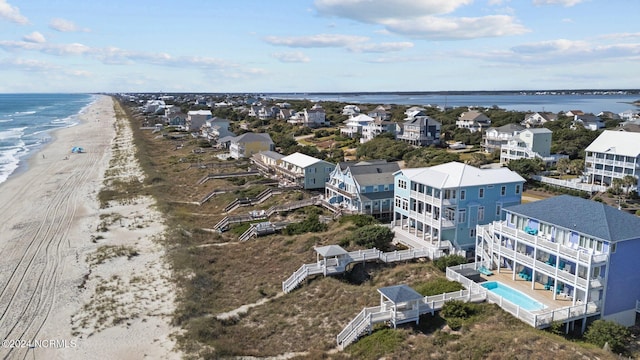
[454, 174]
[400, 293]
[586, 216]
[253, 137]
[616, 142]
[270, 154]
[345, 164]
[301, 160]
[473, 115]
[509, 128]
[374, 174]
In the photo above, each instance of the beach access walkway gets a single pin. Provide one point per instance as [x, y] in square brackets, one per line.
[335, 261]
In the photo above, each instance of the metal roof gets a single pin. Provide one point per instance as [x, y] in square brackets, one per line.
[330, 250]
[400, 293]
[585, 216]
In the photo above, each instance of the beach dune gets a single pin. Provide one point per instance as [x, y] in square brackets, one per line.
[54, 268]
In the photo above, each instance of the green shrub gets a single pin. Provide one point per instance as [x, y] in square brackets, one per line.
[438, 286]
[370, 236]
[601, 332]
[310, 224]
[359, 219]
[450, 260]
[454, 323]
[456, 309]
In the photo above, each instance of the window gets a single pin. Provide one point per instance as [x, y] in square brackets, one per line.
[462, 216]
[481, 193]
[503, 190]
[481, 213]
[613, 248]
[402, 184]
[498, 209]
[463, 194]
[472, 232]
[517, 189]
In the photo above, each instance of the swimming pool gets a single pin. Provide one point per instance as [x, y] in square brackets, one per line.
[513, 296]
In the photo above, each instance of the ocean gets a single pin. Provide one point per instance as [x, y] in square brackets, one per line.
[589, 103]
[26, 121]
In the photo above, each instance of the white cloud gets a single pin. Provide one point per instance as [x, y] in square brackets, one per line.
[381, 47]
[457, 28]
[291, 57]
[12, 13]
[63, 25]
[315, 41]
[426, 19]
[25, 64]
[377, 10]
[565, 3]
[34, 37]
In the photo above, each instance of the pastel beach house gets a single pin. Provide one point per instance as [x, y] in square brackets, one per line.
[439, 207]
[364, 187]
[247, 144]
[582, 252]
[613, 155]
[303, 170]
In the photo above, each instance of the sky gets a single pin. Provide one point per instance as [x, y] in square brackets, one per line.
[317, 45]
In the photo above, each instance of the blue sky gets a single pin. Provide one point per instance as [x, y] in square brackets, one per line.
[317, 45]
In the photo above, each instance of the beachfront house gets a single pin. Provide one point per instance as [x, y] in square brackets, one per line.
[303, 170]
[419, 131]
[197, 118]
[247, 144]
[266, 162]
[439, 207]
[364, 187]
[579, 252]
[613, 155]
[473, 120]
[530, 144]
[495, 137]
[375, 128]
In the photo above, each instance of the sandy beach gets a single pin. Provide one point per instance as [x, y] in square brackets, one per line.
[78, 281]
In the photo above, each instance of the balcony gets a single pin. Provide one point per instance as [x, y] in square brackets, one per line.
[343, 192]
[290, 173]
[428, 199]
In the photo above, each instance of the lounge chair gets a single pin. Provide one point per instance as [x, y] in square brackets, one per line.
[484, 271]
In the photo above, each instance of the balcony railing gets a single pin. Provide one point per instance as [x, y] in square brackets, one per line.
[340, 191]
[426, 198]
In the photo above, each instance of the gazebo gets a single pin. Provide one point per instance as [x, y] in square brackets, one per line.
[331, 256]
[402, 301]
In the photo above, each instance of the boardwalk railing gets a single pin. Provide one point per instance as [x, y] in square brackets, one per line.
[327, 266]
[369, 316]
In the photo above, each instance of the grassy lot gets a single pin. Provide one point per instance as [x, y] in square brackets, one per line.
[212, 280]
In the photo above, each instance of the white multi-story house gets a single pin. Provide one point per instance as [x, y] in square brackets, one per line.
[588, 121]
[419, 131]
[584, 252]
[530, 144]
[538, 119]
[350, 110]
[473, 120]
[612, 155]
[304, 170]
[439, 207]
[247, 144]
[354, 125]
[364, 187]
[495, 137]
[375, 128]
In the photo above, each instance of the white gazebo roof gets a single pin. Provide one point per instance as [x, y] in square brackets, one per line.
[330, 250]
[400, 293]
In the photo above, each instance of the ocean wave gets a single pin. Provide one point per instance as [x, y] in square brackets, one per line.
[24, 113]
[14, 133]
[9, 160]
[5, 120]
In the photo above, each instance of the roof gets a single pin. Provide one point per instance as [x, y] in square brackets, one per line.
[509, 128]
[616, 142]
[253, 137]
[199, 112]
[300, 160]
[271, 154]
[345, 164]
[379, 195]
[539, 131]
[330, 250]
[473, 115]
[400, 293]
[586, 216]
[374, 174]
[455, 174]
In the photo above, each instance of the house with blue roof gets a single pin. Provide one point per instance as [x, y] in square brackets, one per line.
[578, 250]
[439, 207]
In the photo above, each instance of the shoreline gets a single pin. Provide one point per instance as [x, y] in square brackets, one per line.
[52, 282]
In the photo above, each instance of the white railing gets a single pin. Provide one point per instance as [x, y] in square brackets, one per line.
[570, 184]
[332, 266]
[301, 274]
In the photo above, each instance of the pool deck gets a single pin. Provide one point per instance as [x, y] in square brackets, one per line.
[538, 293]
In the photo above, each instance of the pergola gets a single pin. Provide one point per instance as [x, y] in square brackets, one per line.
[404, 303]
